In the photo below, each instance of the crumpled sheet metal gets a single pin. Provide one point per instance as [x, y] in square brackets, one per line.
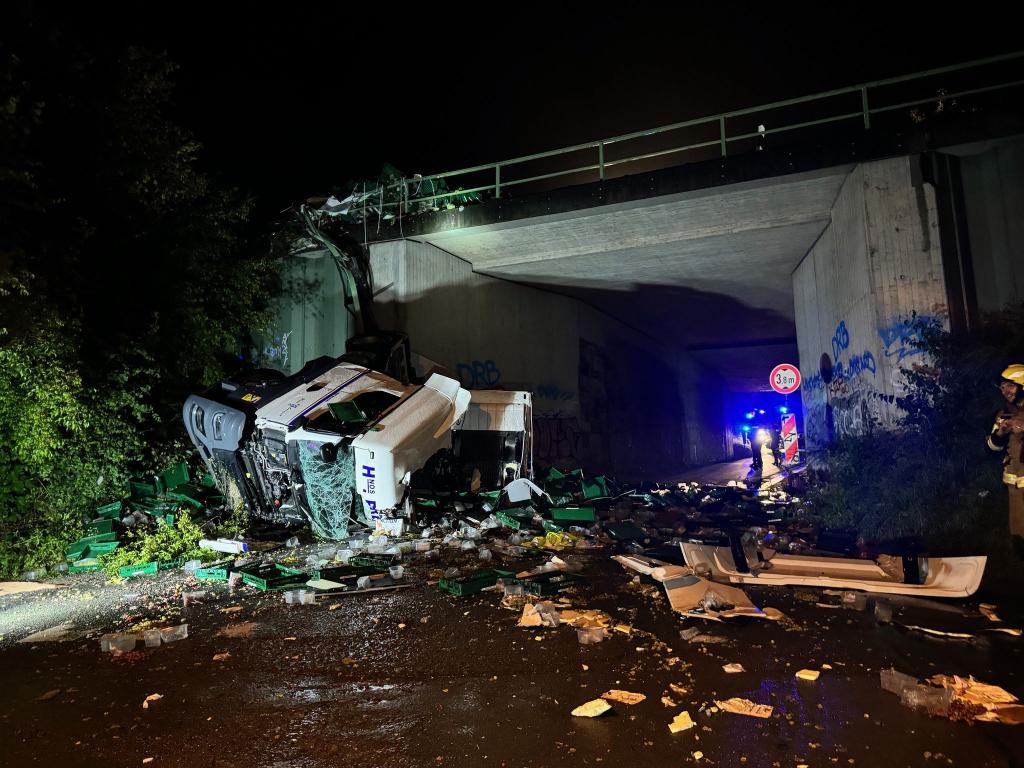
[690, 594]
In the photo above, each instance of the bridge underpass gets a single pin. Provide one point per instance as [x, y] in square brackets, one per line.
[632, 306]
[633, 321]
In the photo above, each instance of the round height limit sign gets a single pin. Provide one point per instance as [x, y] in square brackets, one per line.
[785, 379]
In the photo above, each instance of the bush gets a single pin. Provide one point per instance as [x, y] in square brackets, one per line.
[933, 479]
[162, 544]
[128, 278]
[67, 446]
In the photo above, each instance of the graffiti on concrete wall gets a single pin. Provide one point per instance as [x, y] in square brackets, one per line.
[478, 374]
[842, 397]
[557, 439]
[840, 340]
[276, 351]
[901, 338]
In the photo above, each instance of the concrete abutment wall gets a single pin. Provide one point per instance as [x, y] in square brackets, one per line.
[877, 263]
[606, 396]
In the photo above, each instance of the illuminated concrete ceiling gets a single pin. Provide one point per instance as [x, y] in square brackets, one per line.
[709, 268]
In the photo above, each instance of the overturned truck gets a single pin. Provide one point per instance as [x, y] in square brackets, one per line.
[339, 441]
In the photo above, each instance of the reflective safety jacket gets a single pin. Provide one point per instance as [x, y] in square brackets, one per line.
[1012, 444]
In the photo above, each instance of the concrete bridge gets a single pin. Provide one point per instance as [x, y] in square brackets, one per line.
[632, 303]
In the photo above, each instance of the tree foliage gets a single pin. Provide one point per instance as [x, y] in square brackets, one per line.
[128, 277]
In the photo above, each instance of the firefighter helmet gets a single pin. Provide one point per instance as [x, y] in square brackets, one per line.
[1015, 373]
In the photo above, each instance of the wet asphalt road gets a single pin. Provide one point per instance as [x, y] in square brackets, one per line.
[343, 683]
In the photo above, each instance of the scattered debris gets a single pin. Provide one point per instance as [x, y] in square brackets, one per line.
[681, 722]
[745, 707]
[594, 708]
[980, 701]
[151, 698]
[243, 629]
[623, 697]
[989, 612]
[58, 634]
[808, 674]
[733, 668]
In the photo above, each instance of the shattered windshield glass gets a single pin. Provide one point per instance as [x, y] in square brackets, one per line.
[329, 487]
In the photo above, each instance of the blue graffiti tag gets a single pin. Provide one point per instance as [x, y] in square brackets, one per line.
[840, 340]
[902, 337]
[813, 383]
[479, 374]
[860, 363]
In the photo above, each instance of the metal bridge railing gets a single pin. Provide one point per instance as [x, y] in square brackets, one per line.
[721, 124]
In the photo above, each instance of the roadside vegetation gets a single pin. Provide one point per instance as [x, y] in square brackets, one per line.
[128, 277]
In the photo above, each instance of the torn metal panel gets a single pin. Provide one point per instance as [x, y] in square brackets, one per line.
[939, 576]
[691, 595]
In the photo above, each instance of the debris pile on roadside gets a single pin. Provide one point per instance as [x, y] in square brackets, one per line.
[158, 501]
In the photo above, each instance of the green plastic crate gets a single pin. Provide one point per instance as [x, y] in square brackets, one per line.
[372, 561]
[547, 584]
[99, 525]
[102, 548]
[86, 565]
[97, 538]
[596, 489]
[473, 582]
[551, 527]
[128, 571]
[272, 577]
[77, 551]
[213, 574]
[142, 490]
[508, 520]
[174, 476]
[111, 510]
[166, 566]
[185, 499]
[573, 514]
[218, 571]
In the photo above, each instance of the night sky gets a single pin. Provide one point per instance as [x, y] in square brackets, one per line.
[297, 99]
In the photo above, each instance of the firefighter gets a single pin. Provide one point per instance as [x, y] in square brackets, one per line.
[1008, 435]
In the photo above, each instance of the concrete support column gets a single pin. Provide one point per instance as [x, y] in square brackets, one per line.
[877, 263]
